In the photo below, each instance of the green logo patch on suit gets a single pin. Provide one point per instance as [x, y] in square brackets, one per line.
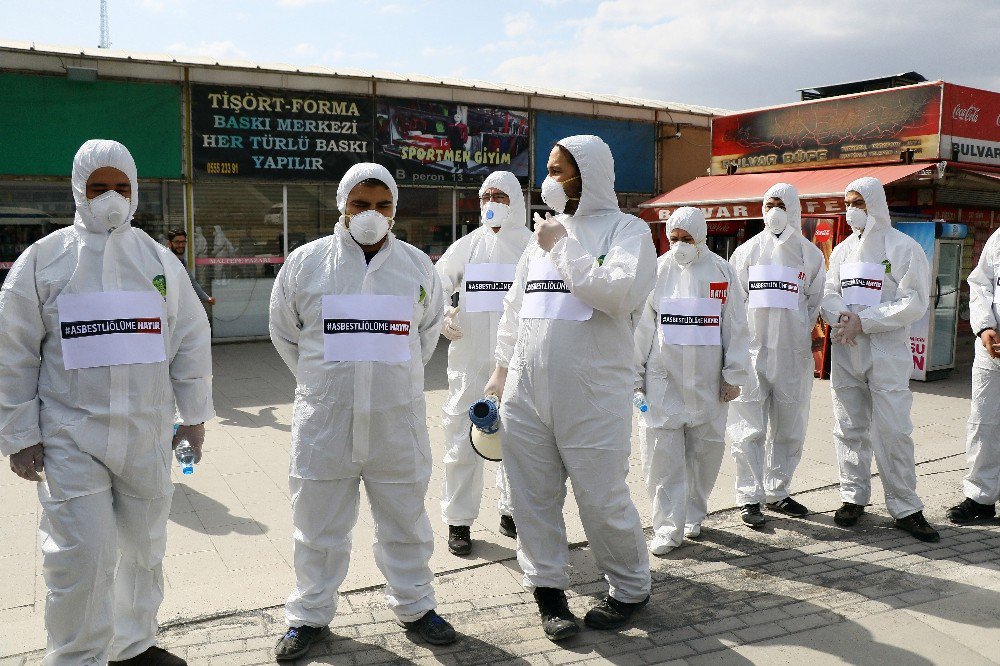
[422, 296]
[600, 260]
[160, 282]
[888, 265]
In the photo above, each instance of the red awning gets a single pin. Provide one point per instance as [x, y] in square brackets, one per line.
[709, 190]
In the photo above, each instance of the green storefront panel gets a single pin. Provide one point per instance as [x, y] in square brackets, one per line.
[44, 119]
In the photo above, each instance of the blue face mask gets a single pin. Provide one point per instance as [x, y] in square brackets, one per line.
[494, 214]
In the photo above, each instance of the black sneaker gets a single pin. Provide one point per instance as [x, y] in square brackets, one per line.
[558, 621]
[611, 613]
[459, 540]
[848, 514]
[154, 656]
[917, 525]
[789, 507]
[751, 515]
[970, 511]
[296, 642]
[433, 628]
[507, 526]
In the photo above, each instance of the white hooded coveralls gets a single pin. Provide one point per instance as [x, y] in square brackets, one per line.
[682, 432]
[106, 431]
[566, 405]
[772, 412]
[982, 483]
[355, 420]
[871, 382]
[470, 358]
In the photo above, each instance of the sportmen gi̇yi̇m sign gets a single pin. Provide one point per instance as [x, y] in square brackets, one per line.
[278, 134]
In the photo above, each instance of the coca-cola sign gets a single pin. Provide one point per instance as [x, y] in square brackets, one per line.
[967, 135]
[968, 114]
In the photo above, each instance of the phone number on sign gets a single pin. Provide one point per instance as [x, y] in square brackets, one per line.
[226, 168]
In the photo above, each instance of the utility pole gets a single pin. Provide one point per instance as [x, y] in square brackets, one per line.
[105, 31]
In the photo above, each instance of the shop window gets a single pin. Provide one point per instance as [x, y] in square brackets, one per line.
[29, 210]
[238, 251]
[423, 219]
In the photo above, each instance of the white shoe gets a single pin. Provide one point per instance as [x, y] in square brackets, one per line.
[660, 545]
[692, 531]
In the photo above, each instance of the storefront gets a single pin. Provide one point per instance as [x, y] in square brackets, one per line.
[248, 158]
[38, 149]
[935, 146]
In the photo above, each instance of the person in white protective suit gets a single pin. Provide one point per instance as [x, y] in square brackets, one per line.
[877, 285]
[479, 268]
[981, 485]
[783, 275]
[356, 316]
[691, 354]
[566, 338]
[103, 338]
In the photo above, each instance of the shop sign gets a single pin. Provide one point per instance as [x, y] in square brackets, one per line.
[743, 211]
[833, 132]
[426, 142]
[970, 127]
[748, 210]
[278, 134]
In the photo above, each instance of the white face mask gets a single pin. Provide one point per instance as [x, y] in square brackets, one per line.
[554, 194]
[776, 220]
[494, 214]
[110, 210]
[684, 253]
[857, 218]
[368, 227]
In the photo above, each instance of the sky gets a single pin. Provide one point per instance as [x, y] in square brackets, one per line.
[732, 54]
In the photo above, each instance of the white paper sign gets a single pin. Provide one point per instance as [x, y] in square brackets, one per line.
[546, 295]
[861, 283]
[111, 328]
[691, 321]
[367, 327]
[486, 285]
[773, 286]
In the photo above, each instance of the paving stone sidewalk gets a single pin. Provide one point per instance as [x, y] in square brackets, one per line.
[796, 591]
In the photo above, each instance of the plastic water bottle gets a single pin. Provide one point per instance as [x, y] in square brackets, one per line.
[639, 400]
[185, 456]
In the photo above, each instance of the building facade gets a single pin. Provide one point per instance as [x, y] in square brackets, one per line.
[247, 157]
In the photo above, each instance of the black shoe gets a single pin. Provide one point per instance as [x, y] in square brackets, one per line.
[789, 507]
[459, 540]
[507, 526]
[154, 656]
[751, 515]
[433, 628]
[611, 613]
[970, 511]
[917, 525]
[848, 514]
[296, 642]
[557, 620]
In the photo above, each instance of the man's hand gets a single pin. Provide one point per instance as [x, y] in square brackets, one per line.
[548, 232]
[451, 330]
[195, 434]
[728, 392]
[847, 329]
[27, 463]
[495, 385]
[991, 340]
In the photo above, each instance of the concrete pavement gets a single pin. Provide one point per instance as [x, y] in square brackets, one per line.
[796, 590]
